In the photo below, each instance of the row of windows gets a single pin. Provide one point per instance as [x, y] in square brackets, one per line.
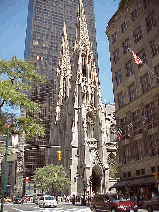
[150, 23]
[141, 54]
[140, 172]
[137, 119]
[139, 150]
[132, 90]
[129, 70]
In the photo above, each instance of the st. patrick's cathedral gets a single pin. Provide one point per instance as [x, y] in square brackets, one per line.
[83, 126]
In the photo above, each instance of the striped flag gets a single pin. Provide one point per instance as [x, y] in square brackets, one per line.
[119, 133]
[136, 58]
[130, 126]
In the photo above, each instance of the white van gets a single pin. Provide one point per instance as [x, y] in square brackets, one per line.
[47, 201]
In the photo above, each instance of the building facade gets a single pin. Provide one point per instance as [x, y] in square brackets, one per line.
[82, 122]
[136, 90]
[76, 119]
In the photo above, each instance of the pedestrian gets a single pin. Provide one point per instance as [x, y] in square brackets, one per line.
[73, 199]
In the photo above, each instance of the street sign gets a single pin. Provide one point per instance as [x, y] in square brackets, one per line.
[9, 120]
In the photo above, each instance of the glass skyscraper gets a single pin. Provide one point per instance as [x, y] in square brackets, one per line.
[44, 30]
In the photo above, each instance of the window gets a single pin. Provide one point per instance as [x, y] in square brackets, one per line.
[156, 69]
[120, 100]
[153, 169]
[137, 172]
[138, 149]
[145, 83]
[116, 56]
[119, 77]
[124, 175]
[132, 92]
[126, 44]
[129, 68]
[142, 171]
[142, 56]
[134, 15]
[129, 174]
[154, 48]
[151, 115]
[137, 33]
[123, 27]
[114, 37]
[124, 128]
[153, 144]
[137, 123]
[150, 22]
[90, 126]
[146, 3]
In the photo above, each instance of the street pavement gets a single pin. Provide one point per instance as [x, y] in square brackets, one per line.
[67, 207]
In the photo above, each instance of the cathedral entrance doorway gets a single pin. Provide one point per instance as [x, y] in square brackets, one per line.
[96, 179]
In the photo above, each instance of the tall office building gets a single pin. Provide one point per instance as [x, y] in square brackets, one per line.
[44, 28]
[136, 92]
[43, 42]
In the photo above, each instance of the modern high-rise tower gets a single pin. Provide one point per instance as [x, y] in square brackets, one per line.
[44, 28]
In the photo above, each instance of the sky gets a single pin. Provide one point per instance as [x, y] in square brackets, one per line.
[13, 23]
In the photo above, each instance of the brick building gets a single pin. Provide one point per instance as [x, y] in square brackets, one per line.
[136, 92]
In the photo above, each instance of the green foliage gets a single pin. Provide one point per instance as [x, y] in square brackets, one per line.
[52, 177]
[115, 171]
[17, 80]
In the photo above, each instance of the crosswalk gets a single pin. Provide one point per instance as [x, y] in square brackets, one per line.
[62, 209]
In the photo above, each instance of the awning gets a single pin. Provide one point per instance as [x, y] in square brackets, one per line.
[121, 184]
[137, 181]
[134, 182]
[149, 180]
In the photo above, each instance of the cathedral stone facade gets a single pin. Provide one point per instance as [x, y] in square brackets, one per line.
[83, 126]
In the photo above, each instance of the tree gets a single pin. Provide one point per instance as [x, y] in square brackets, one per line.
[52, 177]
[17, 80]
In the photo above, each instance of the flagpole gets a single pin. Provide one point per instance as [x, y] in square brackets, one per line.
[144, 64]
[151, 71]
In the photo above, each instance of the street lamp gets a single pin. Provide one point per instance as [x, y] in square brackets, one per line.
[8, 123]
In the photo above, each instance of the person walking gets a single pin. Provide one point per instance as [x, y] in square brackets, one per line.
[73, 199]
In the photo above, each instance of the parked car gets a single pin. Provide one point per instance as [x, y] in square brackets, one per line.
[47, 201]
[18, 200]
[152, 204]
[7, 199]
[113, 203]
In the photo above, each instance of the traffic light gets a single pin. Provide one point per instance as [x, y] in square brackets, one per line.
[59, 154]
[27, 179]
[156, 175]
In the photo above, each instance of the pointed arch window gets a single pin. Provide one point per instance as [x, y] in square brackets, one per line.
[64, 88]
[84, 65]
[90, 126]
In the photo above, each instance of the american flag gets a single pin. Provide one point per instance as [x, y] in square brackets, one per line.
[144, 121]
[119, 133]
[130, 126]
[137, 59]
